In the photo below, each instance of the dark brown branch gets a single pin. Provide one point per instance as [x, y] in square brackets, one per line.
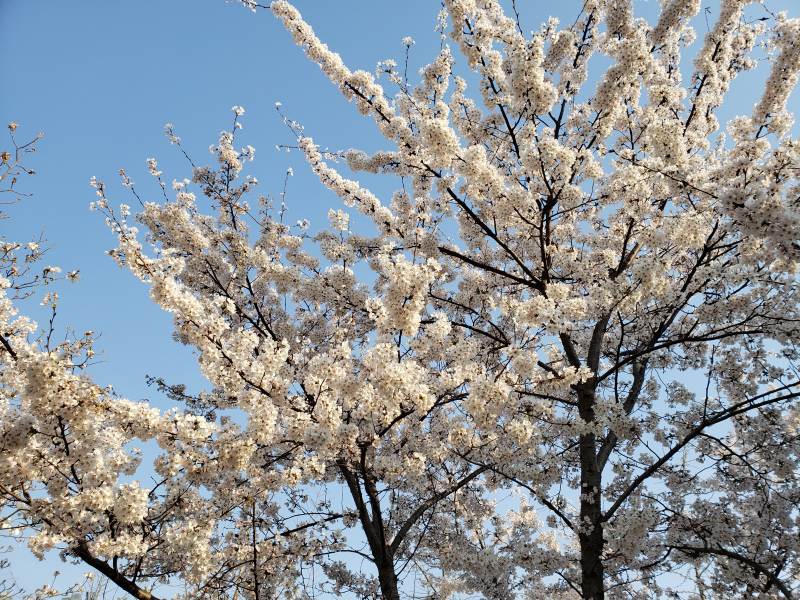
[486, 267]
[363, 513]
[7, 346]
[106, 569]
[692, 551]
[401, 533]
[639, 372]
[734, 410]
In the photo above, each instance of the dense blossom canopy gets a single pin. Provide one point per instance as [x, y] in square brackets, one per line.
[561, 364]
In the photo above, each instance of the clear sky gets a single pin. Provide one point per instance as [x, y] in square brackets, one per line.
[102, 77]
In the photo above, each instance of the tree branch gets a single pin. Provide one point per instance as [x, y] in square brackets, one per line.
[401, 533]
[106, 569]
[743, 559]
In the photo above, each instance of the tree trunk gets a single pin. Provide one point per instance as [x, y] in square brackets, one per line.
[372, 525]
[591, 527]
[388, 580]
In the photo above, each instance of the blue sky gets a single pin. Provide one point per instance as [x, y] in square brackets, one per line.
[101, 78]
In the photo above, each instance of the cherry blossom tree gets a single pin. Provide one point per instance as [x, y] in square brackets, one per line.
[561, 365]
[610, 237]
[606, 249]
